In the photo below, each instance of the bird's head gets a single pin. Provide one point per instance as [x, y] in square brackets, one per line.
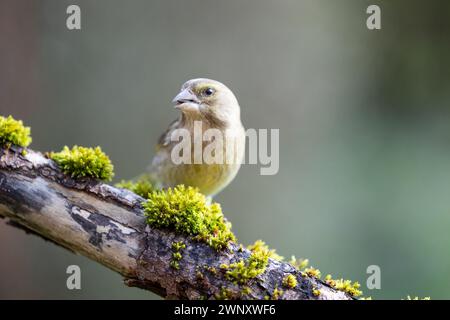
[209, 99]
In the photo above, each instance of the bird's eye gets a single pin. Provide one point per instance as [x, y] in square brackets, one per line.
[208, 92]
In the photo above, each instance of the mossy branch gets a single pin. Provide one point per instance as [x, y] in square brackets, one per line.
[108, 225]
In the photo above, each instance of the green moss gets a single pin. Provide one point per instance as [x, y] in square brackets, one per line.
[188, 212]
[316, 292]
[224, 294]
[212, 270]
[246, 291]
[313, 272]
[143, 186]
[347, 286]
[174, 264]
[14, 132]
[80, 162]
[290, 281]
[242, 271]
[177, 247]
[261, 245]
[199, 275]
[277, 294]
[299, 264]
[177, 256]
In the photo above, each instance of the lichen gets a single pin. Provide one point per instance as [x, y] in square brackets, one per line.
[14, 132]
[289, 281]
[143, 186]
[80, 162]
[187, 211]
[244, 270]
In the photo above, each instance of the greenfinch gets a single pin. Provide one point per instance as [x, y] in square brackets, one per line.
[209, 112]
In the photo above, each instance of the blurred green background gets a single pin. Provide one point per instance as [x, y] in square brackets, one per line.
[364, 123]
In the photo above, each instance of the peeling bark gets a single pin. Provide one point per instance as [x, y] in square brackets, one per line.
[107, 225]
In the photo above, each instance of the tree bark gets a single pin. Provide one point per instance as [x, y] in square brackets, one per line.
[107, 225]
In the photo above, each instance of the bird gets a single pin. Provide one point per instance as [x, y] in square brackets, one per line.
[207, 107]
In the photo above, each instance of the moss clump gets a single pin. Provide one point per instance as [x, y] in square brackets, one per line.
[299, 264]
[276, 294]
[175, 264]
[246, 291]
[143, 186]
[261, 245]
[14, 132]
[316, 292]
[290, 281]
[212, 270]
[347, 286]
[177, 247]
[225, 294]
[242, 271]
[199, 275]
[177, 256]
[313, 272]
[187, 211]
[80, 162]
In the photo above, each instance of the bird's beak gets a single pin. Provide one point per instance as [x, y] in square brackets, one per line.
[186, 100]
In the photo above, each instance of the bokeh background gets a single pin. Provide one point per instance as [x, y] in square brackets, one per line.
[364, 123]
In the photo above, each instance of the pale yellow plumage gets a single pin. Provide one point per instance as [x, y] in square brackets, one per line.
[212, 103]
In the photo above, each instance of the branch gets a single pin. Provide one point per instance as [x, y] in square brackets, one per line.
[107, 225]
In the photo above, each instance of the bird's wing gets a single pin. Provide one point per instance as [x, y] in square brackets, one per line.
[163, 149]
[164, 139]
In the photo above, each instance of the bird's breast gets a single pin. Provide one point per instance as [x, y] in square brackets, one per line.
[218, 165]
